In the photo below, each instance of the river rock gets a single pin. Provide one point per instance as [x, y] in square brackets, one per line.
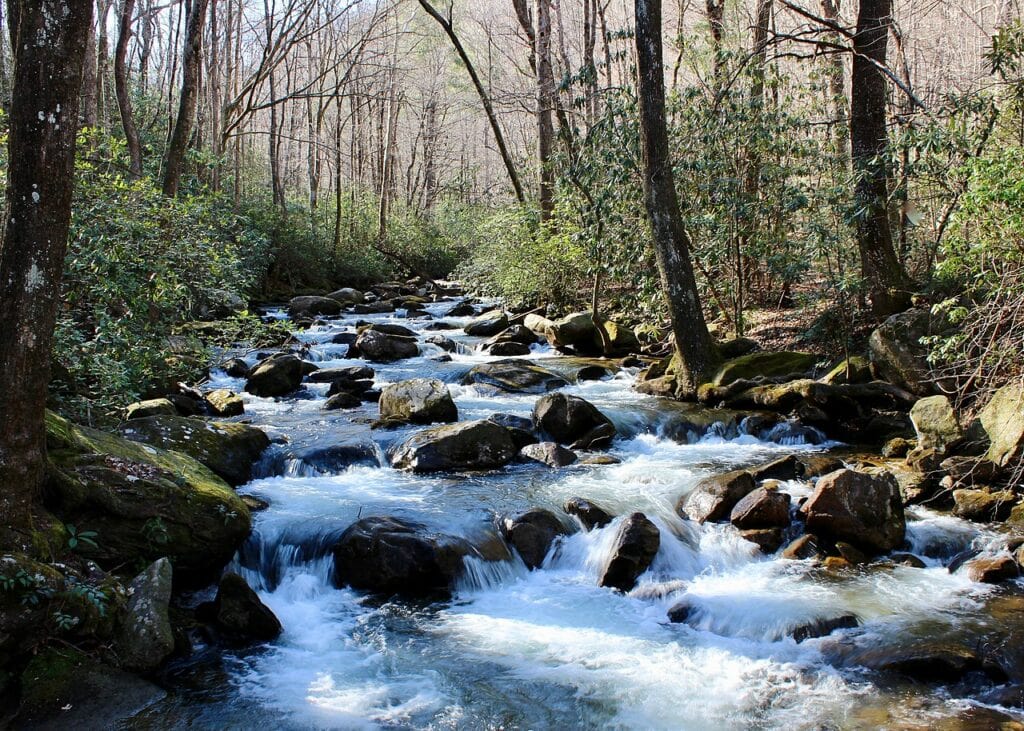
[855, 369]
[487, 324]
[897, 353]
[576, 331]
[532, 534]
[230, 450]
[513, 376]
[374, 345]
[537, 324]
[241, 612]
[590, 515]
[1003, 421]
[762, 508]
[983, 506]
[373, 308]
[992, 569]
[390, 329]
[342, 400]
[417, 401]
[462, 309]
[446, 344]
[152, 407]
[470, 445]
[347, 296]
[277, 375]
[308, 306]
[398, 556]
[862, 509]
[783, 468]
[508, 348]
[570, 419]
[935, 423]
[344, 338]
[824, 627]
[519, 428]
[713, 498]
[636, 545]
[768, 540]
[804, 547]
[146, 638]
[225, 403]
[620, 338]
[235, 367]
[551, 454]
[144, 502]
[514, 334]
[764, 364]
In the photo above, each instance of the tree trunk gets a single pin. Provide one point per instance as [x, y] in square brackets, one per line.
[545, 106]
[49, 38]
[124, 102]
[887, 283]
[190, 66]
[89, 80]
[102, 53]
[716, 13]
[697, 355]
[485, 100]
[836, 73]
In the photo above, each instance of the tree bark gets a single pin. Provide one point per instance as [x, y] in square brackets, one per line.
[697, 354]
[190, 66]
[836, 73]
[49, 38]
[89, 80]
[124, 102]
[545, 107]
[485, 100]
[888, 285]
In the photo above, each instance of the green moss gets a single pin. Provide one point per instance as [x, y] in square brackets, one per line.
[765, 364]
[859, 368]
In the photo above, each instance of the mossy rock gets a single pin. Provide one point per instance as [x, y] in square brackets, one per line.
[230, 450]
[855, 369]
[143, 502]
[767, 364]
[65, 688]
[1003, 422]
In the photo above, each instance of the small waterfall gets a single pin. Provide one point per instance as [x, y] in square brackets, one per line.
[264, 560]
[481, 575]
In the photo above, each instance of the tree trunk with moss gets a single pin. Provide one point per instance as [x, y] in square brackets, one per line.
[49, 38]
[697, 354]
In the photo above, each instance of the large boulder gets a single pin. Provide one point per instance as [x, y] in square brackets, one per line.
[146, 638]
[514, 376]
[277, 375]
[621, 339]
[762, 508]
[241, 612]
[713, 498]
[897, 354]
[382, 347]
[487, 324]
[471, 445]
[764, 364]
[309, 306]
[548, 453]
[532, 534]
[347, 373]
[572, 420]
[983, 506]
[417, 401]
[398, 556]
[225, 403]
[537, 324]
[935, 422]
[143, 502]
[230, 450]
[1003, 422]
[636, 545]
[576, 331]
[347, 296]
[862, 509]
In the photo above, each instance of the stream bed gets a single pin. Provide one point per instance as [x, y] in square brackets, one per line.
[549, 648]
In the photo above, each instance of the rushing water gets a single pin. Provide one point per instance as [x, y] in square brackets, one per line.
[549, 648]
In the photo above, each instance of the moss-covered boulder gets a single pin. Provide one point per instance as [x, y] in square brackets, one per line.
[764, 364]
[1003, 422]
[936, 423]
[143, 502]
[230, 450]
[897, 354]
[152, 407]
[855, 369]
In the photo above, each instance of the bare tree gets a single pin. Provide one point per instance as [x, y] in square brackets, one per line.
[124, 102]
[887, 282]
[697, 354]
[190, 66]
[49, 38]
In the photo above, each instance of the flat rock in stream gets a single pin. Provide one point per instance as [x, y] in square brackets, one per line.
[417, 401]
[514, 376]
[377, 346]
[398, 556]
[470, 445]
[548, 453]
[487, 324]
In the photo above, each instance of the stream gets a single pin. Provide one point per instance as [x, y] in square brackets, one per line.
[550, 649]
